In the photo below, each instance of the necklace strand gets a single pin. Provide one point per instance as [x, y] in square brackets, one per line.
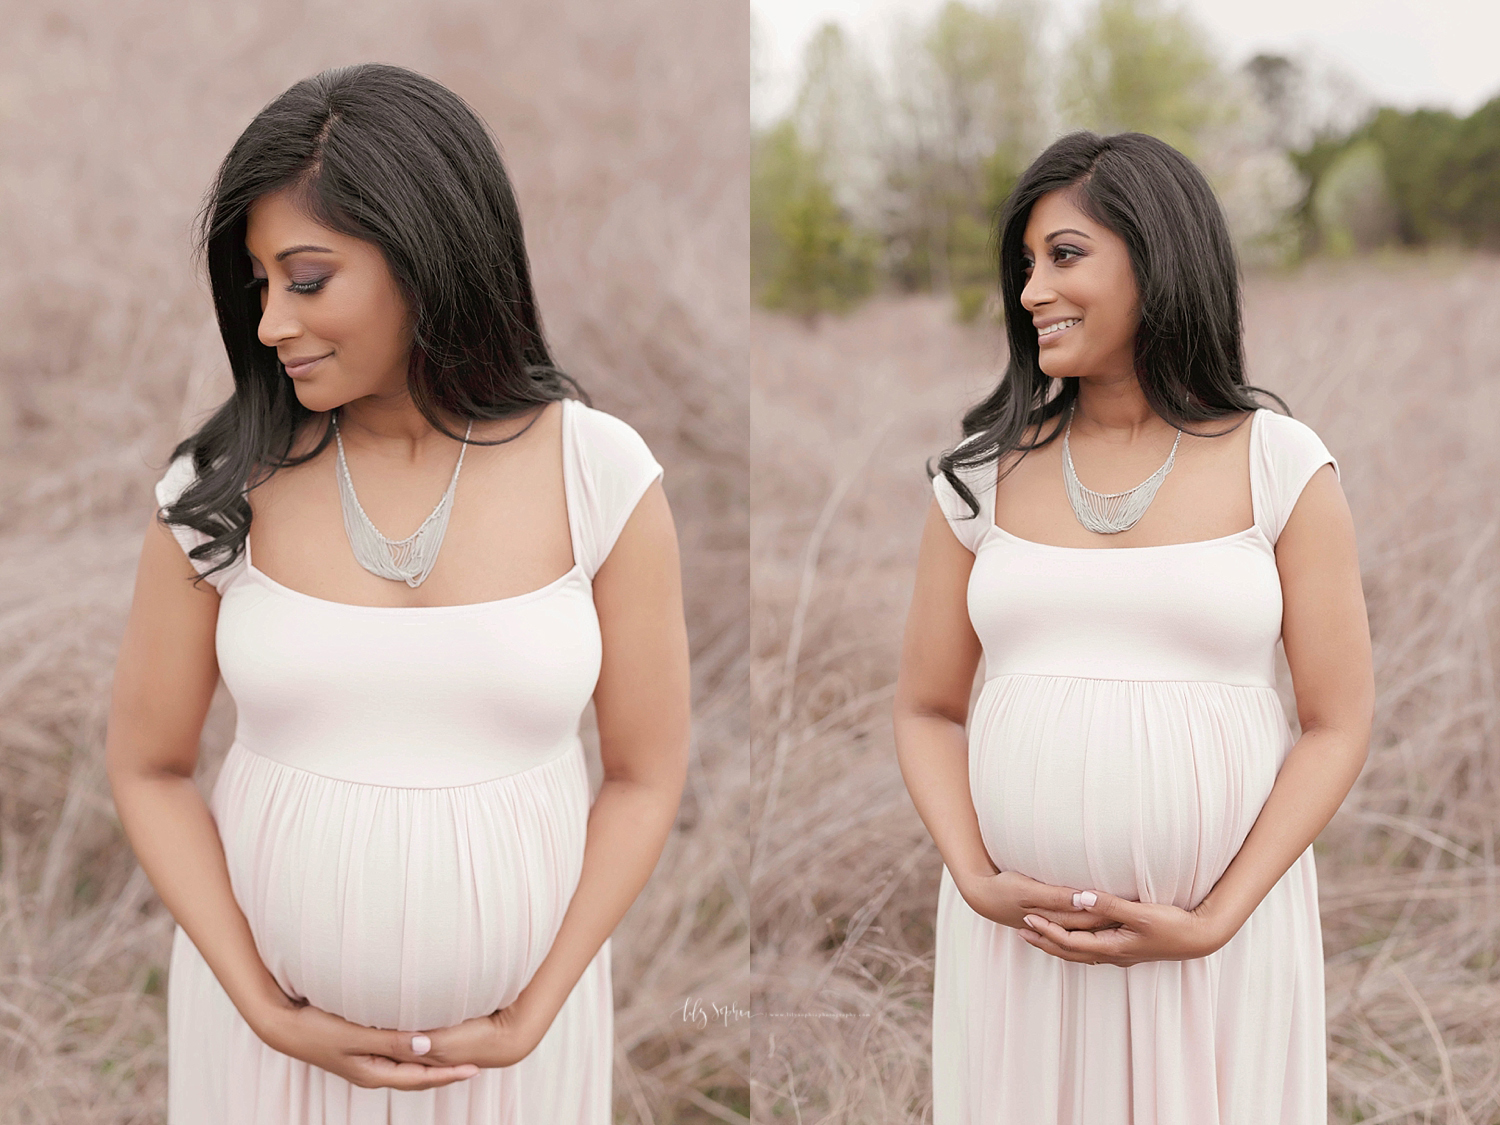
[408, 560]
[1111, 512]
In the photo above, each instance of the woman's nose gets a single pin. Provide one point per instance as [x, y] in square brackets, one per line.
[276, 322]
[1034, 293]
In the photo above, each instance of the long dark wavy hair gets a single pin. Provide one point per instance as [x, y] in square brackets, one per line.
[1189, 351]
[389, 156]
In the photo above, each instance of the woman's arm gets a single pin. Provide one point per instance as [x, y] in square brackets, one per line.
[1326, 635]
[642, 703]
[939, 655]
[164, 681]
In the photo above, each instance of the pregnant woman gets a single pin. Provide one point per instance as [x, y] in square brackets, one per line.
[414, 559]
[1127, 925]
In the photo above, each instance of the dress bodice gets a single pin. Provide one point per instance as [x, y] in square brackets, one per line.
[1208, 610]
[471, 691]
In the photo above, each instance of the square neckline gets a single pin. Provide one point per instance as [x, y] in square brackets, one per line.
[568, 458]
[1255, 514]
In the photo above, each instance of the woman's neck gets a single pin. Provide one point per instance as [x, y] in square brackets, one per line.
[1113, 408]
[395, 424]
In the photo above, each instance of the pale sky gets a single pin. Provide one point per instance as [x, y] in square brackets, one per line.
[1441, 53]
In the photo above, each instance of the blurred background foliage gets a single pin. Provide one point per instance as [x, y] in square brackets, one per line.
[1416, 178]
[888, 173]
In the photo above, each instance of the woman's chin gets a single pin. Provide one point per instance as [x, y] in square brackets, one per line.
[316, 399]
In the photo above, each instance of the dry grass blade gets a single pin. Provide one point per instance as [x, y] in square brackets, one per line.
[805, 588]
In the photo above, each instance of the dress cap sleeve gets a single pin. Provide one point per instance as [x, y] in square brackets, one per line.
[179, 475]
[1289, 452]
[610, 467]
[967, 527]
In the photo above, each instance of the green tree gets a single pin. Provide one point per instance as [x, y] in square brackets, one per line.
[1471, 199]
[1416, 152]
[838, 116]
[1135, 66]
[1352, 204]
[1441, 173]
[807, 256]
[970, 115]
[985, 65]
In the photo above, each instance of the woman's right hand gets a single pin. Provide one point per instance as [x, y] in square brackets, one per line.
[1007, 897]
[365, 1056]
[939, 657]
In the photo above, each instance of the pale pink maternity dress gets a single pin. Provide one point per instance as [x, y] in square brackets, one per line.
[1127, 735]
[403, 811]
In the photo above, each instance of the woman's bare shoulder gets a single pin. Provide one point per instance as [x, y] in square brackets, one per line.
[1234, 422]
[532, 425]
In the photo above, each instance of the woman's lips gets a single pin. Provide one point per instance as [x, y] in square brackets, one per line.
[1048, 338]
[299, 367]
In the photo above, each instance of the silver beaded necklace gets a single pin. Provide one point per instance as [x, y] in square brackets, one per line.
[1111, 512]
[408, 560]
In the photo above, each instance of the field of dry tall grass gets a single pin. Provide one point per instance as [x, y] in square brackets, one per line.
[1393, 362]
[623, 125]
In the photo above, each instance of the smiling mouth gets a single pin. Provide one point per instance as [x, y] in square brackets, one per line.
[303, 366]
[1053, 330]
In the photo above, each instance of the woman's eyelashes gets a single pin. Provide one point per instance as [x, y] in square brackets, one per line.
[1059, 254]
[311, 285]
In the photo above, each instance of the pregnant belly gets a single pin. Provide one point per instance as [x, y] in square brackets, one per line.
[1142, 788]
[402, 908]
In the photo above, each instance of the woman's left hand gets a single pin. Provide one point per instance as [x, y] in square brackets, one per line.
[1147, 931]
[501, 1038]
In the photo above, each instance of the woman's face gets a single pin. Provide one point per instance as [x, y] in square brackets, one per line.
[329, 306]
[1080, 291]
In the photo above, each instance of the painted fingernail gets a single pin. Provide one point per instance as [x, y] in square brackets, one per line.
[1031, 920]
[1076, 904]
[1087, 898]
[420, 1044]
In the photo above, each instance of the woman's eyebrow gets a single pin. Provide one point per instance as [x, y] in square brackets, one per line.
[1065, 230]
[289, 251]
